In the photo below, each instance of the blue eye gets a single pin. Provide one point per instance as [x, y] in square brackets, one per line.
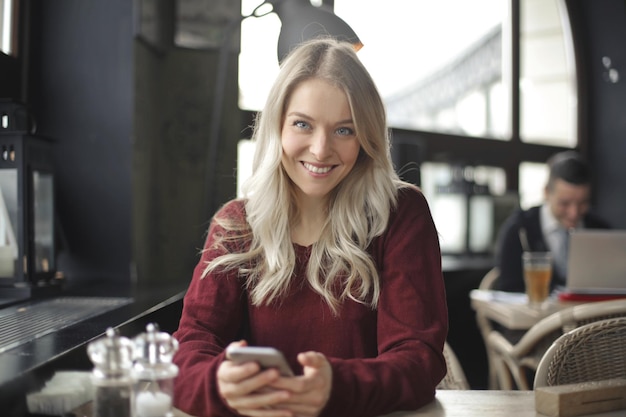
[345, 131]
[301, 124]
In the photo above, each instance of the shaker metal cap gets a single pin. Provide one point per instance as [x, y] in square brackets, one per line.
[154, 352]
[111, 354]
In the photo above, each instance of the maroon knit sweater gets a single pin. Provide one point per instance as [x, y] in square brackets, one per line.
[383, 360]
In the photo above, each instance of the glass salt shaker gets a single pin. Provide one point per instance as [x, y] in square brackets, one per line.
[112, 356]
[154, 373]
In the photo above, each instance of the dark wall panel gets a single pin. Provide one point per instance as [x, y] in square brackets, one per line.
[81, 91]
[603, 30]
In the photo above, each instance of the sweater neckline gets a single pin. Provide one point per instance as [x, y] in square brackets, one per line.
[300, 249]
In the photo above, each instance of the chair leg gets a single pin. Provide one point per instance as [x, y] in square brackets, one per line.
[504, 377]
[492, 372]
[511, 375]
[520, 378]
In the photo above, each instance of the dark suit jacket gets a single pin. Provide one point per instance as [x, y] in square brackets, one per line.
[509, 247]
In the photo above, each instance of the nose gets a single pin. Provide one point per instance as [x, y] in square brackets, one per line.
[574, 212]
[320, 145]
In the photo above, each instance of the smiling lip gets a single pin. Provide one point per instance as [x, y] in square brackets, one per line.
[317, 169]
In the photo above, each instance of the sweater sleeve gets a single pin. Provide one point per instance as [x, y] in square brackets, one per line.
[210, 320]
[411, 321]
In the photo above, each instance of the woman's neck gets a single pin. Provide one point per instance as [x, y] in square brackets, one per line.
[308, 228]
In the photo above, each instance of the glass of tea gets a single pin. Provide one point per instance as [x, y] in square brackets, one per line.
[537, 276]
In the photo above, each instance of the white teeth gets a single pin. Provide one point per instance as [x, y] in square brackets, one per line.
[316, 170]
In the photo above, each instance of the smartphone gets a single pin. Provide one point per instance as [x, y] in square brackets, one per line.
[266, 357]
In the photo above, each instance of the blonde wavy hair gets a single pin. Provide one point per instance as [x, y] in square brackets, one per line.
[359, 207]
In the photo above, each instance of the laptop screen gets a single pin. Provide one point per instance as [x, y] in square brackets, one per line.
[597, 262]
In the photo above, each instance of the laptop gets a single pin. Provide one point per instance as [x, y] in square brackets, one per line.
[597, 262]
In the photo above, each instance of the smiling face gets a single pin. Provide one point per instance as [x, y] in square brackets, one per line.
[320, 146]
[568, 202]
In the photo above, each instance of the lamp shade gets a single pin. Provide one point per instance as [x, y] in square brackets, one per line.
[301, 21]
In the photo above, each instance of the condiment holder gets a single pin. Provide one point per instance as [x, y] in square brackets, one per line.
[133, 378]
[153, 373]
[112, 357]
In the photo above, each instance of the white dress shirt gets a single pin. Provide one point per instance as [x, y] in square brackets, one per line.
[555, 236]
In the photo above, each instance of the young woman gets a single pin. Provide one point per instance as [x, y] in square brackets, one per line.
[329, 258]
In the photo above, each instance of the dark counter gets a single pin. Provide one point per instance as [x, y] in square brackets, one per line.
[26, 367]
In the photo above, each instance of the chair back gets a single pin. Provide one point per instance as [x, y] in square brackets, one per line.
[455, 378]
[592, 352]
[490, 279]
[568, 319]
[514, 360]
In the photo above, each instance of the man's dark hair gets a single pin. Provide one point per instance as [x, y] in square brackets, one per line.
[570, 167]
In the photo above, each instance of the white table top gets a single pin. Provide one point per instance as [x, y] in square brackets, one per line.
[485, 403]
[478, 403]
[511, 310]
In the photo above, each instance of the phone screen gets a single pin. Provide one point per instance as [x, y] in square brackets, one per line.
[266, 357]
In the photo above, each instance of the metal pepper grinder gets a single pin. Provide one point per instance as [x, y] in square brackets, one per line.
[112, 357]
[154, 373]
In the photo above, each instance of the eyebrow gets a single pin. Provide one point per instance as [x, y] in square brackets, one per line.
[298, 114]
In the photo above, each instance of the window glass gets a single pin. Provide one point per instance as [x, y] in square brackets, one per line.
[258, 62]
[547, 74]
[245, 156]
[435, 174]
[43, 216]
[464, 203]
[6, 26]
[9, 230]
[438, 64]
[532, 179]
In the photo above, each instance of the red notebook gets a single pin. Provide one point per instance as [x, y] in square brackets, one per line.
[571, 296]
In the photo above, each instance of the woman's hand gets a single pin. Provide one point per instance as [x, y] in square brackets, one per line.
[250, 391]
[253, 392]
[309, 392]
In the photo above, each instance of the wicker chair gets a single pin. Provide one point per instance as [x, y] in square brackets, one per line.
[592, 352]
[485, 326]
[514, 363]
[455, 377]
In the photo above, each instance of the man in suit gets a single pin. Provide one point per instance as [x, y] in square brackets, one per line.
[566, 205]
